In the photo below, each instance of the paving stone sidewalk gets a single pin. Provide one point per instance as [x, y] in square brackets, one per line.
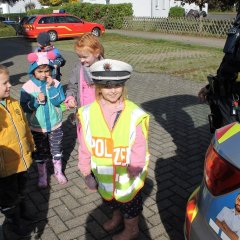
[178, 138]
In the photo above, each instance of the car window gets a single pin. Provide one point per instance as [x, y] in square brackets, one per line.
[24, 20]
[60, 19]
[2, 19]
[72, 19]
[46, 20]
[31, 19]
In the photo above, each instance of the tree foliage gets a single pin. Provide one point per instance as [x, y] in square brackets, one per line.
[215, 4]
[10, 2]
[42, 2]
[222, 5]
[29, 6]
[55, 2]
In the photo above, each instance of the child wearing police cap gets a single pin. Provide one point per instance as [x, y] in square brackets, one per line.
[43, 40]
[113, 145]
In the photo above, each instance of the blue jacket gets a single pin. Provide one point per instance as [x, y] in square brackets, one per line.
[42, 117]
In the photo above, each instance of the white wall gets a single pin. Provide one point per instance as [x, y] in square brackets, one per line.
[4, 8]
[160, 8]
[18, 7]
[141, 8]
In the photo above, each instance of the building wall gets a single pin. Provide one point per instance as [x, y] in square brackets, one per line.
[160, 8]
[151, 8]
[18, 7]
[141, 8]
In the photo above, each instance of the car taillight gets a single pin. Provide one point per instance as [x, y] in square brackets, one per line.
[191, 212]
[29, 26]
[220, 176]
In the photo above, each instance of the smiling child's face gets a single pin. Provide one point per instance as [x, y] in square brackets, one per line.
[87, 57]
[4, 86]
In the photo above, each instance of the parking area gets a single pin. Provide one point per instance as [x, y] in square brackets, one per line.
[179, 136]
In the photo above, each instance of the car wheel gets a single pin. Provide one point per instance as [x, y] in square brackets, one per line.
[203, 13]
[96, 32]
[53, 36]
[193, 14]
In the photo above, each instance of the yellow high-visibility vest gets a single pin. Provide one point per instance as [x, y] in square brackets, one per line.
[111, 149]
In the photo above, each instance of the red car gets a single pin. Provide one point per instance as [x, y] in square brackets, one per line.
[59, 25]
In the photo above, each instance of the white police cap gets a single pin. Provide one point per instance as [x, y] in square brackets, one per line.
[110, 72]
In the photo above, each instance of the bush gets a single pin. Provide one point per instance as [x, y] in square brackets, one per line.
[176, 12]
[6, 30]
[111, 15]
[13, 16]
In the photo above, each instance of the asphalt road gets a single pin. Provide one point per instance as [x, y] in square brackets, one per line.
[219, 16]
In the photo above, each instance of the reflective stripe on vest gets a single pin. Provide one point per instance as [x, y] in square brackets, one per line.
[111, 149]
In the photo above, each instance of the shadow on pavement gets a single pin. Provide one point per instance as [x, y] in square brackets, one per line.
[102, 213]
[69, 139]
[12, 48]
[14, 79]
[179, 158]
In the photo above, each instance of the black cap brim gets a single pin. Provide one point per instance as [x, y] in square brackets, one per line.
[109, 82]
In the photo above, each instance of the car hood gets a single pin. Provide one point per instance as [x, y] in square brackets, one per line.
[226, 142]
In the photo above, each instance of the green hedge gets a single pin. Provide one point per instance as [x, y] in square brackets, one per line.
[14, 16]
[110, 15]
[176, 12]
[6, 30]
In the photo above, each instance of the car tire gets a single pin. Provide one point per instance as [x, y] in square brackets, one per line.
[53, 36]
[203, 13]
[193, 14]
[96, 32]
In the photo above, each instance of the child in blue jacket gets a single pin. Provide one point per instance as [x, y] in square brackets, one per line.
[40, 98]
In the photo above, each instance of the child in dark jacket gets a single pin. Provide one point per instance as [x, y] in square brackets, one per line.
[45, 45]
[41, 97]
[16, 148]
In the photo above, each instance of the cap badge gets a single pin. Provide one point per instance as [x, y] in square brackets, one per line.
[107, 67]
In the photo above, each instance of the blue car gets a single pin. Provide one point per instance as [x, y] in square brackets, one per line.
[213, 209]
[9, 22]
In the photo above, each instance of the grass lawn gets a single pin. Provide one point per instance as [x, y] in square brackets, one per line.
[154, 56]
[159, 56]
[6, 30]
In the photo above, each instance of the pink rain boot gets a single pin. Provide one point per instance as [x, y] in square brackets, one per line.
[57, 164]
[42, 175]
